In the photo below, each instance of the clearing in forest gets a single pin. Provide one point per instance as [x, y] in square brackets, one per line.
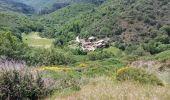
[34, 40]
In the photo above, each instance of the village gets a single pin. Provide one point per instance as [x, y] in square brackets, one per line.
[92, 43]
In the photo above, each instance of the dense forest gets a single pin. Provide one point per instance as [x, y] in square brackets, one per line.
[41, 55]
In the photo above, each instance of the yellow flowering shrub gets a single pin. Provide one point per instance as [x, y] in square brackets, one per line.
[122, 70]
[83, 65]
[55, 68]
[139, 75]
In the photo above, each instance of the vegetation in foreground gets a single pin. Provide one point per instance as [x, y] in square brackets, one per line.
[104, 88]
[17, 82]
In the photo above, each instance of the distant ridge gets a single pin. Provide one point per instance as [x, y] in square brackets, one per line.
[13, 5]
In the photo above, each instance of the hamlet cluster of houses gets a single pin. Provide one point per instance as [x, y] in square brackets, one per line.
[92, 43]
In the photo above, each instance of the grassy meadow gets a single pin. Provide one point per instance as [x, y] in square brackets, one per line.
[34, 40]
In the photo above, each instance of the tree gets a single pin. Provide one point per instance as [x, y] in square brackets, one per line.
[10, 46]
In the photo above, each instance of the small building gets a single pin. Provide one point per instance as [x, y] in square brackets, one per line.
[92, 38]
[91, 44]
[77, 39]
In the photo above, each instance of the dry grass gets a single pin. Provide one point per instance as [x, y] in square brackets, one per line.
[106, 89]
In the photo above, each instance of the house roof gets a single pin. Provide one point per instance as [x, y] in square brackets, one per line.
[91, 38]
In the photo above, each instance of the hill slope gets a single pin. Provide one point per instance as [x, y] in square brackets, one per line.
[139, 22]
[16, 6]
[46, 7]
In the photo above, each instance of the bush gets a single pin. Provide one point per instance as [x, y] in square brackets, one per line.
[20, 83]
[78, 52]
[166, 29]
[71, 79]
[154, 47]
[138, 75]
[106, 67]
[105, 53]
[163, 56]
[98, 55]
[113, 51]
[67, 79]
[120, 44]
[11, 47]
[48, 57]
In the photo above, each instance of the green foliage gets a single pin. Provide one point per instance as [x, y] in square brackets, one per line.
[54, 22]
[105, 53]
[60, 42]
[11, 47]
[23, 84]
[113, 51]
[120, 45]
[100, 55]
[48, 57]
[113, 19]
[138, 75]
[166, 29]
[163, 56]
[103, 68]
[68, 79]
[78, 52]
[155, 47]
[17, 23]
[12, 5]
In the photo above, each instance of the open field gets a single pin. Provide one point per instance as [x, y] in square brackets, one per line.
[34, 40]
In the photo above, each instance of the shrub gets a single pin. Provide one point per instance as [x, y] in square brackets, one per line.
[138, 75]
[78, 52]
[113, 51]
[120, 44]
[71, 79]
[166, 29]
[48, 57]
[154, 47]
[106, 67]
[105, 53]
[66, 79]
[83, 65]
[11, 46]
[135, 50]
[98, 55]
[163, 56]
[19, 83]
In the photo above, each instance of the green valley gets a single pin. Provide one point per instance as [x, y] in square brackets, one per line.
[84, 49]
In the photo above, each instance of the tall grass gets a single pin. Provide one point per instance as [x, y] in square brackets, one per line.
[104, 88]
[18, 82]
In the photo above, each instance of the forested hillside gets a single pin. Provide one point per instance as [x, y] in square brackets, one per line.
[17, 23]
[16, 6]
[14, 17]
[126, 22]
[136, 27]
[46, 7]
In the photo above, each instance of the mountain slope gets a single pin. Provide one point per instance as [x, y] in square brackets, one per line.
[46, 7]
[53, 21]
[131, 25]
[16, 23]
[49, 3]
[15, 6]
[138, 26]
